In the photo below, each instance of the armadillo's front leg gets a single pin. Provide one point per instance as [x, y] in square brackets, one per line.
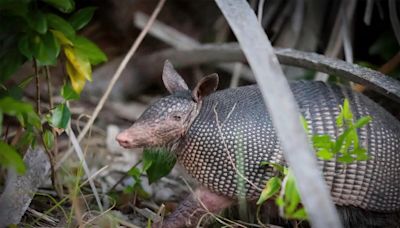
[191, 210]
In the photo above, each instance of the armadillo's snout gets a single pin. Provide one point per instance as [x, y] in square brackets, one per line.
[125, 139]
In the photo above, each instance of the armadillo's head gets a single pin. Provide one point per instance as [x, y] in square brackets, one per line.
[168, 119]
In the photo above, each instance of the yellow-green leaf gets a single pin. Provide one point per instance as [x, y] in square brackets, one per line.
[79, 62]
[61, 37]
[77, 81]
[78, 68]
[271, 188]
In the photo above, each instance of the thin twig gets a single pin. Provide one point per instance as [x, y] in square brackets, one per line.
[37, 86]
[116, 76]
[226, 148]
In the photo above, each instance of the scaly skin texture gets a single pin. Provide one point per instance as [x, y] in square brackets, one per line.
[221, 138]
[234, 129]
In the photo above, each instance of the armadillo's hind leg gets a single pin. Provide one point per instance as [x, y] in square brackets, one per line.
[196, 205]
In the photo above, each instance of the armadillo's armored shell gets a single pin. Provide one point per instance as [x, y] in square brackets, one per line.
[233, 133]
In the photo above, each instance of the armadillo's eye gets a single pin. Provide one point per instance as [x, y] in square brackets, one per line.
[176, 117]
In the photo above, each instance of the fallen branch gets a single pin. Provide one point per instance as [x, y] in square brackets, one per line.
[231, 52]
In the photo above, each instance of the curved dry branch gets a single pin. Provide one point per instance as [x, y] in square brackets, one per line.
[231, 52]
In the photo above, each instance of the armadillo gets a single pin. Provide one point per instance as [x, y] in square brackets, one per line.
[216, 135]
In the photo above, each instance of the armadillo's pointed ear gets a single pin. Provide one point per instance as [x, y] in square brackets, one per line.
[172, 80]
[205, 87]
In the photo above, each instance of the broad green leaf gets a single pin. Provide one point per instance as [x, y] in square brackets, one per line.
[68, 93]
[81, 17]
[322, 141]
[59, 24]
[13, 107]
[9, 157]
[27, 140]
[10, 61]
[271, 188]
[48, 139]
[37, 21]
[25, 46]
[324, 154]
[60, 116]
[85, 47]
[46, 49]
[65, 6]
[362, 121]
[162, 163]
[34, 120]
[61, 38]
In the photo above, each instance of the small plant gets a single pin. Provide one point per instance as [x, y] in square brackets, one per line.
[347, 145]
[157, 163]
[283, 188]
[41, 32]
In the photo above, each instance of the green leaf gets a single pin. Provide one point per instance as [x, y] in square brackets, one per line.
[134, 172]
[82, 17]
[48, 139]
[68, 93]
[299, 214]
[27, 140]
[325, 154]
[10, 61]
[37, 21]
[347, 114]
[278, 167]
[60, 116]
[13, 107]
[162, 163]
[9, 157]
[280, 202]
[291, 193]
[25, 46]
[87, 48]
[62, 39]
[65, 6]
[322, 141]
[346, 158]
[362, 121]
[46, 49]
[271, 188]
[59, 24]
[304, 123]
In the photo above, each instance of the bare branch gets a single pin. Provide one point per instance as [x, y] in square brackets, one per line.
[231, 52]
